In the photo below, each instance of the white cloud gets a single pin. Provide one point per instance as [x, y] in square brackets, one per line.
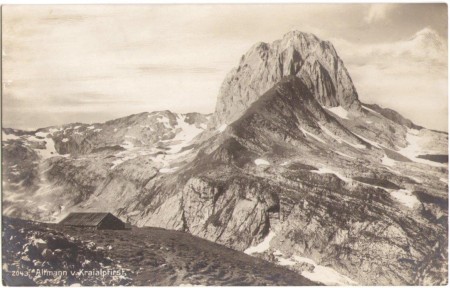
[102, 62]
[425, 47]
[378, 12]
[409, 76]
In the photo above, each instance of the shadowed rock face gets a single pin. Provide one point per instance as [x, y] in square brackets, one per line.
[298, 54]
[336, 182]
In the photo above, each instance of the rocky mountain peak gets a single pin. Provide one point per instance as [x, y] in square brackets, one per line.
[298, 54]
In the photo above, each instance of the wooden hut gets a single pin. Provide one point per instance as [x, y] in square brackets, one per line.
[93, 220]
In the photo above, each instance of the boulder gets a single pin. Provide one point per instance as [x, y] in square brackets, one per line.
[48, 255]
[40, 244]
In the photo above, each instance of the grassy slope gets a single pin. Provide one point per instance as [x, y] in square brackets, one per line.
[163, 257]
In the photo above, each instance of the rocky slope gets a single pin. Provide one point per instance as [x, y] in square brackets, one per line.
[292, 168]
[34, 253]
[269, 172]
[48, 170]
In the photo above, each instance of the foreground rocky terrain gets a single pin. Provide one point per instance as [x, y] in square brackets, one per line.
[292, 167]
[34, 254]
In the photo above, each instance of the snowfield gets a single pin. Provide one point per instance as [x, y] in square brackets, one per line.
[414, 148]
[187, 133]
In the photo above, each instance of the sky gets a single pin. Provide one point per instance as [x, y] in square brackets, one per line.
[79, 63]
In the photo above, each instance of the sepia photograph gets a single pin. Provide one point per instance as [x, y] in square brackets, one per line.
[242, 144]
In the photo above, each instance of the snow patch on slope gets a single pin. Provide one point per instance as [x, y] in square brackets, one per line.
[324, 170]
[122, 159]
[339, 111]
[345, 155]
[370, 110]
[312, 135]
[284, 261]
[124, 155]
[373, 143]
[387, 161]
[49, 150]
[414, 149]
[6, 137]
[261, 247]
[168, 170]
[127, 145]
[164, 120]
[261, 161]
[327, 276]
[339, 139]
[322, 274]
[406, 198]
[186, 135]
[222, 128]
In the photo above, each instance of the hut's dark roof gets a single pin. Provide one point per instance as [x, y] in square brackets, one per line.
[83, 219]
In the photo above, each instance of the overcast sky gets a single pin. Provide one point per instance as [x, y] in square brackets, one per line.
[65, 64]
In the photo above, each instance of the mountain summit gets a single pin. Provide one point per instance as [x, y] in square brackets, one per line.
[297, 54]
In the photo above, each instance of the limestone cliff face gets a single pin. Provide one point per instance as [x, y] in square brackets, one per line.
[298, 54]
